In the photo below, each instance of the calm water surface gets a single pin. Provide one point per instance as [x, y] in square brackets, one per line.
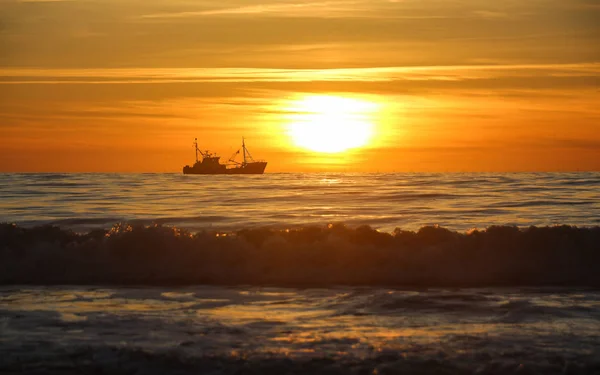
[384, 201]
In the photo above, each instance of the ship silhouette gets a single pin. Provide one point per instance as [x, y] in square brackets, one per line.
[210, 163]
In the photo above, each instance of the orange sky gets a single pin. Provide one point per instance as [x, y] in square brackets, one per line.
[465, 85]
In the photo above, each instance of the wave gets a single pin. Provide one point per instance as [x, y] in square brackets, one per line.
[333, 254]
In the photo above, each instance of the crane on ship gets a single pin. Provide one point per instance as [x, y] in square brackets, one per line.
[246, 154]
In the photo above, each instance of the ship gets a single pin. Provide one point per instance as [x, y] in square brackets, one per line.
[210, 163]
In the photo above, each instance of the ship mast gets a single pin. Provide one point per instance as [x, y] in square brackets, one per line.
[205, 154]
[244, 147]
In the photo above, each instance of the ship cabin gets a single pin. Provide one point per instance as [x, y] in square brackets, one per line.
[211, 160]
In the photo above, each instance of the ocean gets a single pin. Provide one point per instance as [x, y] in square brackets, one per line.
[457, 201]
[300, 273]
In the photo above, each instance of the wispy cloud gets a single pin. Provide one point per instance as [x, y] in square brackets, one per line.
[43, 1]
[373, 74]
[490, 14]
[184, 33]
[334, 9]
[273, 8]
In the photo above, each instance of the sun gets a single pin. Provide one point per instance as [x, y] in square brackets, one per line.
[330, 124]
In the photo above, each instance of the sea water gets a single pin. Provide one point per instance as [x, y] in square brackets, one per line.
[315, 291]
[336, 330]
[458, 201]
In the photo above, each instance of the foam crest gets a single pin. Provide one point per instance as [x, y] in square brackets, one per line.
[304, 256]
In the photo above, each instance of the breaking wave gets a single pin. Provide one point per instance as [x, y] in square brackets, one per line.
[334, 254]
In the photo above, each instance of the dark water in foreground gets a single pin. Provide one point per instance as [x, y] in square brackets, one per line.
[336, 330]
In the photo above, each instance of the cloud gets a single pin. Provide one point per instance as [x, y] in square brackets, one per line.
[490, 14]
[571, 143]
[343, 33]
[373, 74]
[289, 9]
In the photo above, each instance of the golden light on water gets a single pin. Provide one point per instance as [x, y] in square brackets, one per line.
[331, 124]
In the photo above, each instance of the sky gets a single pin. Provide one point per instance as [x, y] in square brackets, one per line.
[444, 85]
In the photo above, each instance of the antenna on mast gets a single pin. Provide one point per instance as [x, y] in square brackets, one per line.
[196, 147]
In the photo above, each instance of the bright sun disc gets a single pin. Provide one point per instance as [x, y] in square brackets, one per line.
[330, 123]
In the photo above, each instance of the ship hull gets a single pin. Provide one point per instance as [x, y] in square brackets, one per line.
[249, 168]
